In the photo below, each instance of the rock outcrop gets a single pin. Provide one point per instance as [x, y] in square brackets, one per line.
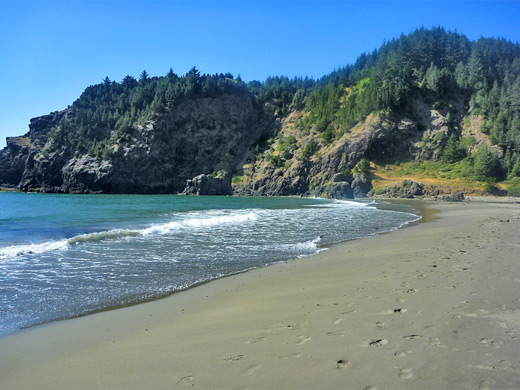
[376, 138]
[405, 189]
[209, 185]
[457, 197]
[199, 136]
[183, 149]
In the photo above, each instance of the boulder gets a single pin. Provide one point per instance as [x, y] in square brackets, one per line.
[405, 189]
[338, 190]
[361, 185]
[456, 197]
[209, 185]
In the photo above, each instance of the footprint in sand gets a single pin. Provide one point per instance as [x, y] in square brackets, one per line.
[380, 325]
[349, 312]
[234, 358]
[251, 369]
[487, 384]
[184, 380]
[435, 341]
[405, 373]
[503, 365]
[255, 340]
[400, 354]
[412, 337]
[302, 340]
[338, 321]
[336, 333]
[293, 327]
[342, 364]
[291, 355]
[378, 343]
[490, 342]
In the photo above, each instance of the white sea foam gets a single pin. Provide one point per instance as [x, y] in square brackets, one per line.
[21, 250]
[118, 234]
[220, 220]
[352, 204]
[161, 229]
[341, 203]
[308, 247]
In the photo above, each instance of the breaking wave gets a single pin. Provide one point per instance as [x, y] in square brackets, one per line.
[119, 234]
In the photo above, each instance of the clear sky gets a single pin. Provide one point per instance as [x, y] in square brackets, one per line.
[51, 51]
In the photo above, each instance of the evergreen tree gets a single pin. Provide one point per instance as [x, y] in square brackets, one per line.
[487, 163]
[453, 151]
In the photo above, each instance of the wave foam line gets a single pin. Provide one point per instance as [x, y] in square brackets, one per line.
[311, 245]
[116, 234]
[21, 250]
[215, 221]
[352, 204]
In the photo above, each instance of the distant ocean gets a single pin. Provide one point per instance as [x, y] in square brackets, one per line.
[63, 256]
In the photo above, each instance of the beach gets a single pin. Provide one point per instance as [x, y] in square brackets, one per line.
[432, 305]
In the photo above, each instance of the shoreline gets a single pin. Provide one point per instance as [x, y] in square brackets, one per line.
[379, 311]
[402, 205]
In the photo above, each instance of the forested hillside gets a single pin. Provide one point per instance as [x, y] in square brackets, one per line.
[429, 105]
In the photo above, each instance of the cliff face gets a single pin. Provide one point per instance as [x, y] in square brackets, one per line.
[286, 168]
[428, 105]
[199, 136]
[232, 136]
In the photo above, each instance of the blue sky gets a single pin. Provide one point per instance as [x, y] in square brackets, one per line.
[51, 51]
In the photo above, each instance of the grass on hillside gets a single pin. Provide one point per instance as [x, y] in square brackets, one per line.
[447, 177]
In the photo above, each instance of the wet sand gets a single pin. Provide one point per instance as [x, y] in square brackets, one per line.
[434, 305]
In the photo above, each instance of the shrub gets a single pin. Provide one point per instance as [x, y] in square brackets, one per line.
[348, 173]
[309, 149]
[363, 167]
[513, 187]
[275, 160]
[487, 163]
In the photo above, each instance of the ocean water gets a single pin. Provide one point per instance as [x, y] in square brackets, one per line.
[63, 256]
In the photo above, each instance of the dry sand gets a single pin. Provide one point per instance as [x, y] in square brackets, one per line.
[435, 305]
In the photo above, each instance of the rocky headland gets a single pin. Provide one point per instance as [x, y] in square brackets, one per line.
[429, 114]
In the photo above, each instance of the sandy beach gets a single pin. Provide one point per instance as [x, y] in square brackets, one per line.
[432, 306]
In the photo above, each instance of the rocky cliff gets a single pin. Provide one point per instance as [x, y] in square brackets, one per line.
[199, 136]
[295, 163]
[431, 107]
[185, 149]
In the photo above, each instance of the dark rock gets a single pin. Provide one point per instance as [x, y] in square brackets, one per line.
[338, 177]
[405, 189]
[197, 136]
[338, 190]
[209, 185]
[361, 185]
[457, 197]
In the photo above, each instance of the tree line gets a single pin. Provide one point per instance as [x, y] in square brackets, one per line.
[437, 66]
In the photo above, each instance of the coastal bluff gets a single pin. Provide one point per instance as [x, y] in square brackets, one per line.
[432, 108]
[199, 136]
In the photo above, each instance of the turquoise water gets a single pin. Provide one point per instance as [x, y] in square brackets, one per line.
[67, 255]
